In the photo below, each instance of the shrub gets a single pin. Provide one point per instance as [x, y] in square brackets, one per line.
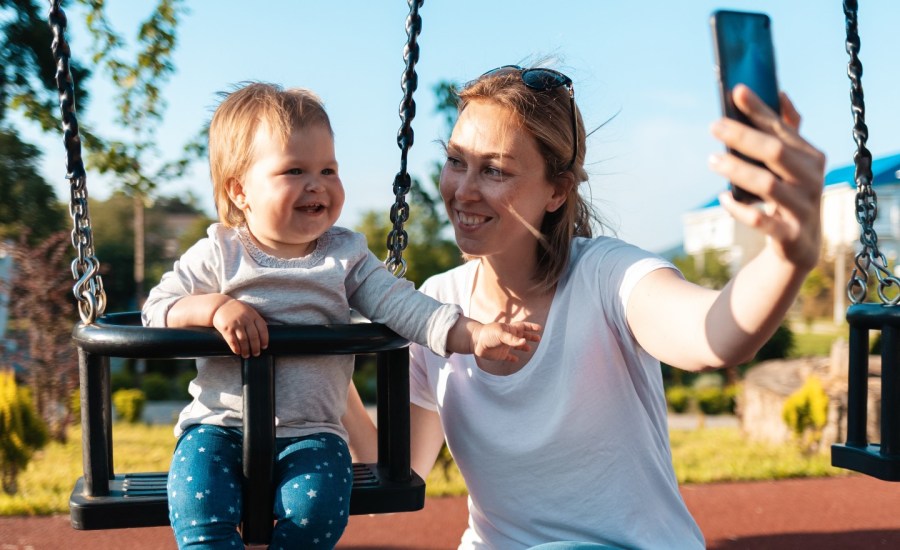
[779, 345]
[121, 380]
[678, 398]
[156, 387]
[805, 412]
[183, 381]
[129, 404]
[713, 400]
[21, 430]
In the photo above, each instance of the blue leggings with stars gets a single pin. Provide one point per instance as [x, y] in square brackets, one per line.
[313, 478]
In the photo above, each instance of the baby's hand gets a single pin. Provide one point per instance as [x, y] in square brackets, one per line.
[496, 340]
[244, 329]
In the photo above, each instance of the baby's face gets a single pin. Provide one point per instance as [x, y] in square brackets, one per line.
[291, 195]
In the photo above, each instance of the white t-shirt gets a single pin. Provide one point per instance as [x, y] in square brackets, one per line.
[574, 446]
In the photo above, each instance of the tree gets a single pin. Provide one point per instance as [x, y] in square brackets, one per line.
[27, 67]
[27, 71]
[428, 252]
[140, 106]
[26, 199]
[42, 302]
[709, 270]
[114, 241]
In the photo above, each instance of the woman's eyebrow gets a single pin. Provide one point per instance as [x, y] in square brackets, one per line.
[453, 147]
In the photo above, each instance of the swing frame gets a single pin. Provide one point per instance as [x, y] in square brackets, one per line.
[879, 460]
[103, 499]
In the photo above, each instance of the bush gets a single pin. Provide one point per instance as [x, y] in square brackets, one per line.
[713, 400]
[678, 398]
[121, 380]
[156, 387]
[22, 431]
[779, 345]
[183, 381]
[805, 412]
[129, 405]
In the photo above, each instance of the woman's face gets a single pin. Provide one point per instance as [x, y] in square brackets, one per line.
[493, 183]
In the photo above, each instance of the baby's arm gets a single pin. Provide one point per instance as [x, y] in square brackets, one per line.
[492, 340]
[243, 328]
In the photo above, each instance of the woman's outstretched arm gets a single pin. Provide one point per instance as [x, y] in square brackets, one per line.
[694, 328]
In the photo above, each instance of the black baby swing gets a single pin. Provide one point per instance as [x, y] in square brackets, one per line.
[880, 460]
[103, 499]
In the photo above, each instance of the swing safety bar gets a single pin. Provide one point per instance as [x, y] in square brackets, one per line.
[103, 499]
[880, 460]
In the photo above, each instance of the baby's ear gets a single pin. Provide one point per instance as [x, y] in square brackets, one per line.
[235, 190]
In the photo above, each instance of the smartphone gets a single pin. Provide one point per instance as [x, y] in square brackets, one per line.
[744, 54]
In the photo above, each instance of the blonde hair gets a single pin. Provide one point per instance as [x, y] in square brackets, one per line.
[546, 115]
[235, 123]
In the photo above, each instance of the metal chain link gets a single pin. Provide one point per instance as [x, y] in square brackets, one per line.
[866, 200]
[88, 288]
[398, 239]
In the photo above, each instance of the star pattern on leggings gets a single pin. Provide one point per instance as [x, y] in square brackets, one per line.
[206, 498]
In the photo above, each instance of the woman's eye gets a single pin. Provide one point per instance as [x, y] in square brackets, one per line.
[453, 162]
[493, 171]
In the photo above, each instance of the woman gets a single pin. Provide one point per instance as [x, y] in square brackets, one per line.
[570, 443]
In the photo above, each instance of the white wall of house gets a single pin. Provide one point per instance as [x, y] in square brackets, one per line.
[713, 228]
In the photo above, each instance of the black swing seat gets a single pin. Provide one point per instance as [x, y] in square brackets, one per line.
[880, 460]
[103, 499]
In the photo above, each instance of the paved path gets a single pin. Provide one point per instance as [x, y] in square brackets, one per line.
[847, 513]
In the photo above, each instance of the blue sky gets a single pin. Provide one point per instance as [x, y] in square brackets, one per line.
[648, 61]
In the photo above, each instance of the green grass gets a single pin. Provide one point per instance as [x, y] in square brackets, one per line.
[45, 486]
[814, 344]
[700, 456]
[722, 454]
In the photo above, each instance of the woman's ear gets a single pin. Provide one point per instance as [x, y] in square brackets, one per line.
[562, 186]
[235, 190]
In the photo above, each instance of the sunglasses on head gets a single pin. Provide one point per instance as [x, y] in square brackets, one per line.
[541, 79]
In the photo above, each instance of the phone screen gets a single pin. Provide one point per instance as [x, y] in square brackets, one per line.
[744, 55]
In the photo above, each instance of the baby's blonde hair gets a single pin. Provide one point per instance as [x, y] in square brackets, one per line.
[234, 126]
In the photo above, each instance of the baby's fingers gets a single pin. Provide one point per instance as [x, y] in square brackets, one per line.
[237, 340]
[529, 331]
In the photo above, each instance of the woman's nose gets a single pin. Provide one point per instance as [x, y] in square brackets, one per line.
[467, 187]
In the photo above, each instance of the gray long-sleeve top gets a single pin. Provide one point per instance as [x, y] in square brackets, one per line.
[320, 288]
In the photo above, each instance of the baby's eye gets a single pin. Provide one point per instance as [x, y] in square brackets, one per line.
[295, 171]
[329, 172]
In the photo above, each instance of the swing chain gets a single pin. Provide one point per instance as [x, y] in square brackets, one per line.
[88, 288]
[866, 199]
[398, 239]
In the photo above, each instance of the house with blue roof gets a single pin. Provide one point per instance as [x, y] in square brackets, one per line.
[710, 227]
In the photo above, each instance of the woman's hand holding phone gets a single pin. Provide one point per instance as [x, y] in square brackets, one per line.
[789, 181]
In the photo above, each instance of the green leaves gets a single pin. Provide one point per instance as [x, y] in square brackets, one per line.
[139, 100]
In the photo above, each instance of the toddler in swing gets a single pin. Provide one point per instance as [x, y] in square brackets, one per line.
[276, 257]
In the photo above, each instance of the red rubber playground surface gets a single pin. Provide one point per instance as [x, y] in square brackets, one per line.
[855, 512]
